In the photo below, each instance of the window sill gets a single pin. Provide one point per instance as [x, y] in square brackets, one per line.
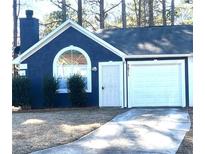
[62, 91]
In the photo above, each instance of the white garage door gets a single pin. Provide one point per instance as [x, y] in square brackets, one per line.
[156, 83]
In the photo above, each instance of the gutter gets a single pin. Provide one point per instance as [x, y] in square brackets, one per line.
[158, 56]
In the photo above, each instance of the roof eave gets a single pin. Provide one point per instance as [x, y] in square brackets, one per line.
[158, 56]
[16, 61]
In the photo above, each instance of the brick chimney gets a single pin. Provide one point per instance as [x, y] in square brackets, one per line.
[29, 31]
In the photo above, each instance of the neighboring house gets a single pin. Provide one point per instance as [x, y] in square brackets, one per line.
[132, 67]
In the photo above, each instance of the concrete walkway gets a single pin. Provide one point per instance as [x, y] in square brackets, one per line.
[139, 131]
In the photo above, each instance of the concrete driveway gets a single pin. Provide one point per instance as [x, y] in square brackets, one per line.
[141, 131]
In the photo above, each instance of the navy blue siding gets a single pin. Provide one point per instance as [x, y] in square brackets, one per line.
[41, 64]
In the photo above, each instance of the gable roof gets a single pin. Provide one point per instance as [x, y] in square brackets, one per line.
[155, 40]
[60, 30]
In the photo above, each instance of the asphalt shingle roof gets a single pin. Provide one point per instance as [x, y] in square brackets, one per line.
[176, 39]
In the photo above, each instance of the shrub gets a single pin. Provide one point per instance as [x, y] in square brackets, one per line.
[50, 85]
[77, 93]
[21, 92]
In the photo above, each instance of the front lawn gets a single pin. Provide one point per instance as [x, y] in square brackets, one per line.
[36, 130]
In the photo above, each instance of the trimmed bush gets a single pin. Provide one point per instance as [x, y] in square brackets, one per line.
[77, 94]
[21, 92]
[50, 85]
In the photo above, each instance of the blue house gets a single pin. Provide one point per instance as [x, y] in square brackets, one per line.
[132, 67]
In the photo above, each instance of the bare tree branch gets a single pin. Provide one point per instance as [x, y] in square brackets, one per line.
[114, 6]
[94, 12]
[90, 24]
[59, 6]
[94, 1]
[69, 6]
[46, 24]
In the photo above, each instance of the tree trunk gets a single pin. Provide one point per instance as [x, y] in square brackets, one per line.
[136, 13]
[15, 34]
[102, 15]
[164, 18]
[15, 20]
[64, 10]
[145, 12]
[151, 18]
[80, 12]
[124, 24]
[172, 12]
[139, 13]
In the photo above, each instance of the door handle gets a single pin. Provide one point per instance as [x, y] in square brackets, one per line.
[103, 87]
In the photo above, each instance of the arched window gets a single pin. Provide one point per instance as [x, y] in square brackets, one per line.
[72, 60]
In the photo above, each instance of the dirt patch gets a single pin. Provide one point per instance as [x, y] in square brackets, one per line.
[186, 146]
[38, 130]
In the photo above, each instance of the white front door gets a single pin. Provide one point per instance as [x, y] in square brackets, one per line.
[110, 84]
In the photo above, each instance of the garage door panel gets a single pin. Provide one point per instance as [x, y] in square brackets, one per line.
[163, 101]
[156, 84]
[158, 93]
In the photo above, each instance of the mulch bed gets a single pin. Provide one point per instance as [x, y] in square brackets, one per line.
[186, 146]
[20, 110]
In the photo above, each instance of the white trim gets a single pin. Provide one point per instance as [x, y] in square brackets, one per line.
[183, 84]
[56, 33]
[22, 72]
[158, 56]
[156, 62]
[166, 62]
[23, 66]
[89, 77]
[125, 84]
[100, 83]
[190, 79]
[100, 64]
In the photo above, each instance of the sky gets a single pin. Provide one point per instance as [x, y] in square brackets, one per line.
[44, 7]
[40, 7]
